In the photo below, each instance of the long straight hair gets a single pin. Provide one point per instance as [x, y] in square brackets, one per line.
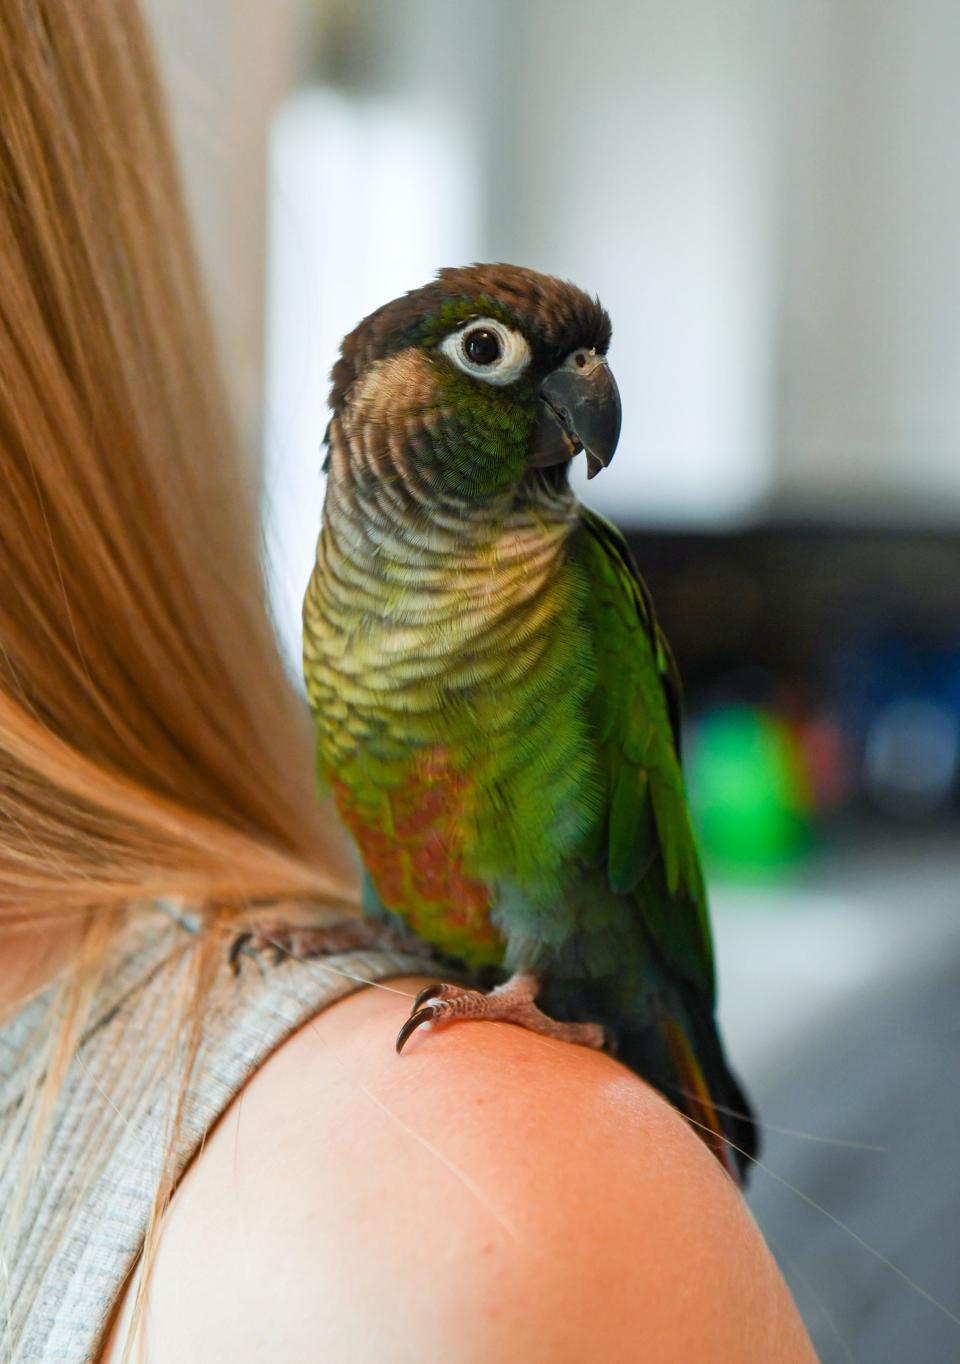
[149, 739]
[150, 742]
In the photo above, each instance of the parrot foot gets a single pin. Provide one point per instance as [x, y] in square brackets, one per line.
[327, 940]
[512, 1002]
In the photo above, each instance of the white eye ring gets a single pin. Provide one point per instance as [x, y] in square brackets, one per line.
[509, 365]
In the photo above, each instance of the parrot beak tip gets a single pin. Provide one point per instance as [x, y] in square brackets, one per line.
[580, 410]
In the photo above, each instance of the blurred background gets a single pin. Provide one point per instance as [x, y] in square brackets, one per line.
[766, 196]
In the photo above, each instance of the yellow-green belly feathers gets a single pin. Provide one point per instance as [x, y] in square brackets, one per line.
[448, 673]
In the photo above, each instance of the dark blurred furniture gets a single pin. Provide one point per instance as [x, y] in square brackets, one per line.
[785, 596]
[856, 624]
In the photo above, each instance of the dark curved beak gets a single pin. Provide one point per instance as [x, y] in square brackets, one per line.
[580, 410]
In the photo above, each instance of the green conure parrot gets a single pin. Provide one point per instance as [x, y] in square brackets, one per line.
[496, 708]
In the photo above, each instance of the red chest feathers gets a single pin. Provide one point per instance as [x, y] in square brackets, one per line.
[413, 839]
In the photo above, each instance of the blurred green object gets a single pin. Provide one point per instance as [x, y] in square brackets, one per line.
[749, 791]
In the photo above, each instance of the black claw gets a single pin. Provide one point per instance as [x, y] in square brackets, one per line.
[236, 951]
[411, 1026]
[433, 991]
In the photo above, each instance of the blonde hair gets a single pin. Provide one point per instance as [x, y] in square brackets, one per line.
[149, 740]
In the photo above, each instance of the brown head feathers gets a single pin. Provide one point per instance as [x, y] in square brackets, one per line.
[556, 317]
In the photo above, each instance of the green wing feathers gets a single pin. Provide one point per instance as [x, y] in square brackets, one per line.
[651, 853]
[651, 849]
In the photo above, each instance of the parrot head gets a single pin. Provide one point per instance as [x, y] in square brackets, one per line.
[464, 387]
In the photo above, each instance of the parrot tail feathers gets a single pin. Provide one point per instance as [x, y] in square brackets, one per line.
[722, 1131]
[694, 1076]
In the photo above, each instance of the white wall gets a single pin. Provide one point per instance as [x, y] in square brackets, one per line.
[869, 387]
[765, 193]
[227, 64]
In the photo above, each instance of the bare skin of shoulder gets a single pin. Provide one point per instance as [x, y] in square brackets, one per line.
[456, 1203]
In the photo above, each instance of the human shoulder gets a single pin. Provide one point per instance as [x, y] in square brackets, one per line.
[488, 1194]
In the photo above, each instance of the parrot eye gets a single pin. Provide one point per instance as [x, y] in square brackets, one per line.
[488, 350]
[482, 346]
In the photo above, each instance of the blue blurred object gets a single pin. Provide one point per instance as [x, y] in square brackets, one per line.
[899, 702]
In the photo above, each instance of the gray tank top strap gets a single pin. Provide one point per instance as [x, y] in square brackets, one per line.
[85, 1211]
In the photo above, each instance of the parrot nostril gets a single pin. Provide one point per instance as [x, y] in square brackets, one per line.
[581, 359]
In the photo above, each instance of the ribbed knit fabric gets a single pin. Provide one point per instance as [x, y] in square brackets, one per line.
[88, 1203]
